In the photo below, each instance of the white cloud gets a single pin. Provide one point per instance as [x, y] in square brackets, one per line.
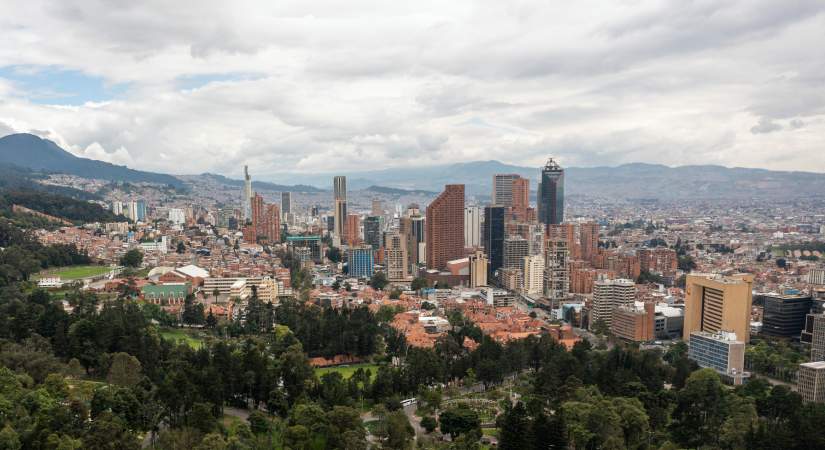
[373, 84]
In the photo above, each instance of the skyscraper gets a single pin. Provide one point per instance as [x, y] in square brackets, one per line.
[493, 238]
[718, 303]
[472, 226]
[589, 240]
[556, 266]
[340, 211]
[360, 261]
[521, 198]
[247, 195]
[503, 189]
[352, 230]
[372, 232]
[550, 197]
[478, 269]
[444, 227]
[286, 202]
[609, 295]
[395, 256]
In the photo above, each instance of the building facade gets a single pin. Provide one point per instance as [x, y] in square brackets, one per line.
[444, 227]
[360, 261]
[810, 382]
[720, 351]
[493, 238]
[607, 296]
[550, 196]
[718, 303]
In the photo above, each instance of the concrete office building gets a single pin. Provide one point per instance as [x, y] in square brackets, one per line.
[718, 303]
[444, 227]
[556, 269]
[533, 275]
[720, 351]
[515, 249]
[339, 185]
[815, 328]
[286, 203]
[634, 323]
[395, 256]
[816, 276]
[608, 295]
[503, 189]
[810, 381]
[478, 269]
[472, 226]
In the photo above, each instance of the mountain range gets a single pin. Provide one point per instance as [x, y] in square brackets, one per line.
[32, 152]
[629, 181]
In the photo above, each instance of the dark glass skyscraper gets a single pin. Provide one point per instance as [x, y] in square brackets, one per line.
[550, 199]
[493, 238]
[372, 231]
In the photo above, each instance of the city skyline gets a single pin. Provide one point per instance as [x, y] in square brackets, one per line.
[730, 83]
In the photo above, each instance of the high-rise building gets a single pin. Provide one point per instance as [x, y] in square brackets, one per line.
[141, 210]
[550, 197]
[810, 381]
[286, 203]
[515, 249]
[635, 323]
[607, 296]
[257, 208]
[271, 224]
[340, 211]
[784, 314]
[372, 231]
[589, 240]
[716, 303]
[360, 261]
[132, 210]
[478, 269]
[444, 227]
[472, 226]
[533, 275]
[247, 195]
[352, 230]
[493, 238]
[377, 207]
[395, 256]
[503, 189]
[556, 268]
[816, 324]
[816, 276]
[720, 351]
[117, 207]
[177, 216]
[521, 198]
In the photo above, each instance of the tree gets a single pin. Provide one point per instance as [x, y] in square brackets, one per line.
[125, 370]
[395, 294]
[429, 423]
[379, 281]
[418, 283]
[334, 255]
[700, 410]
[458, 420]
[132, 258]
[395, 430]
[515, 428]
[181, 248]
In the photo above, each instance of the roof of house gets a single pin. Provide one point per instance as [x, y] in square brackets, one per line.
[165, 290]
[193, 271]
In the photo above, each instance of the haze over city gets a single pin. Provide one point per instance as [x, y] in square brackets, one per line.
[323, 86]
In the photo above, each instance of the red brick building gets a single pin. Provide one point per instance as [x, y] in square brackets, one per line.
[444, 227]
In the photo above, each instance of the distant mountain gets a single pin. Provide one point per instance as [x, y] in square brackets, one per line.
[399, 191]
[629, 181]
[263, 185]
[30, 151]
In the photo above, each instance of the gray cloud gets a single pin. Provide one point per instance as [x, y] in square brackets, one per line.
[371, 85]
[765, 126]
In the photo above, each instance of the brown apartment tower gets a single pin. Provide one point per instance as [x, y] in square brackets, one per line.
[444, 227]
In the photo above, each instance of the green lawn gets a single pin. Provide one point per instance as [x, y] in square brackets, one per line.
[75, 272]
[347, 371]
[182, 335]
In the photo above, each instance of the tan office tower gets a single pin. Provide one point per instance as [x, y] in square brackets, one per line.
[718, 303]
[609, 295]
[444, 227]
[395, 256]
[478, 269]
[340, 211]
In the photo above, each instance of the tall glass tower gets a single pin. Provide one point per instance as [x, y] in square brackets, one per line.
[550, 199]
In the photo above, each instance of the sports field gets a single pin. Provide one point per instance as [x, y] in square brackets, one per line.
[347, 371]
[181, 335]
[75, 272]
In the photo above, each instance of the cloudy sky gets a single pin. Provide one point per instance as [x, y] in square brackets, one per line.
[321, 86]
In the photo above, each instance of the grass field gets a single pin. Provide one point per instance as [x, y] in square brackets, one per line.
[182, 335]
[75, 272]
[347, 371]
